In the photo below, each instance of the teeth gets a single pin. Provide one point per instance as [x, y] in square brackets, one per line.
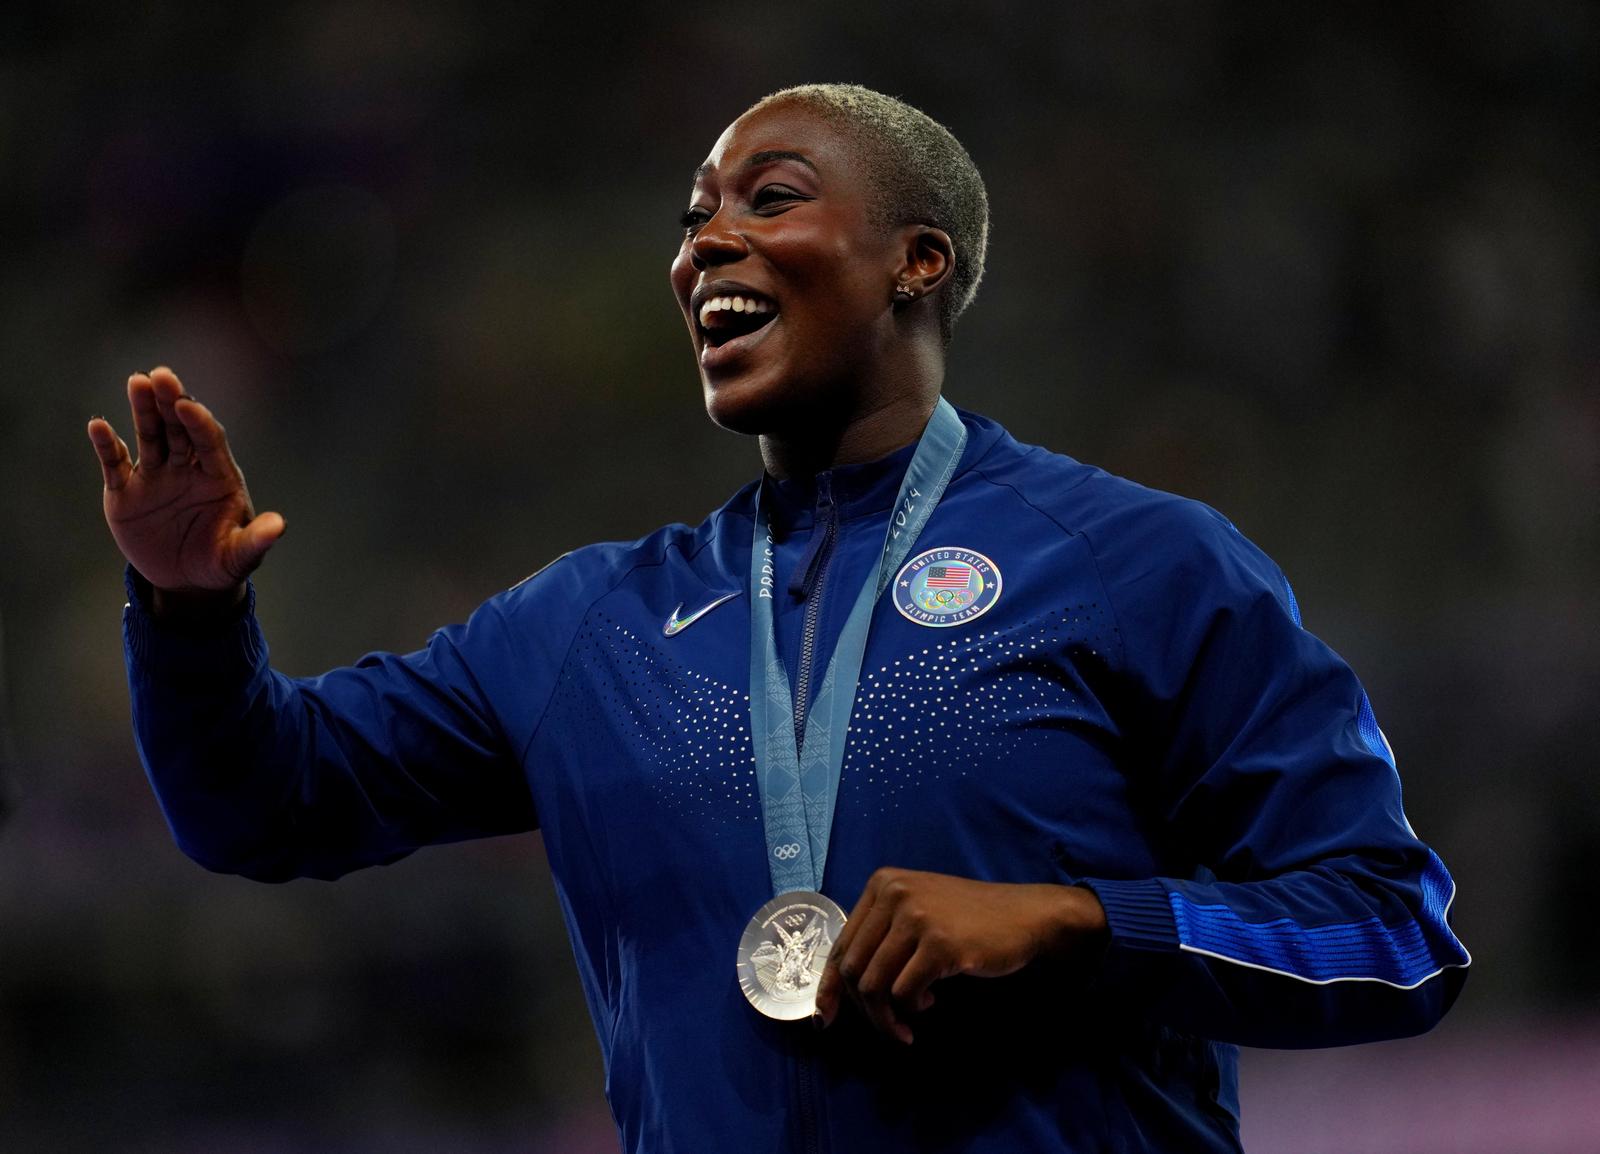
[736, 304]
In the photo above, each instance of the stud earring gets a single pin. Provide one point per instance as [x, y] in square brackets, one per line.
[903, 295]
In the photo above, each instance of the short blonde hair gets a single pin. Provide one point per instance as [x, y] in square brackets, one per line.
[922, 174]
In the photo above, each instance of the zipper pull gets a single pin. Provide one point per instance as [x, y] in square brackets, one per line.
[822, 531]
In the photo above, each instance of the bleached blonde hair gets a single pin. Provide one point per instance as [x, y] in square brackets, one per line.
[921, 172]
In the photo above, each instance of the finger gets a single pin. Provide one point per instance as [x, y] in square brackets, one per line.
[882, 975]
[207, 436]
[827, 1004]
[829, 988]
[248, 545]
[858, 954]
[114, 464]
[148, 429]
[913, 988]
[858, 914]
[168, 389]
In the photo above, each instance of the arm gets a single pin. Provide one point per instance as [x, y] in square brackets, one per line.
[1307, 912]
[257, 773]
[272, 777]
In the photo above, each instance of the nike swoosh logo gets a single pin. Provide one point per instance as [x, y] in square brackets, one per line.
[676, 624]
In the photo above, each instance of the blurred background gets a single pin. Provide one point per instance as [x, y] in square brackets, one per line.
[1332, 271]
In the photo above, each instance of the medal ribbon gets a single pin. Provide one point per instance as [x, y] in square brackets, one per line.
[799, 786]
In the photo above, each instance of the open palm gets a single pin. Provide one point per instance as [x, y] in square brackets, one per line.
[181, 515]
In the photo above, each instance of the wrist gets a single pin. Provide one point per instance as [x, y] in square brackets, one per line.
[189, 650]
[195, 606]
[1075, 923]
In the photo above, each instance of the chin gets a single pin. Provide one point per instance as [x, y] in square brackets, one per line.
[752, 405]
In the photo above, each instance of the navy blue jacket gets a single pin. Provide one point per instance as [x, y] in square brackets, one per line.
[1139, 712]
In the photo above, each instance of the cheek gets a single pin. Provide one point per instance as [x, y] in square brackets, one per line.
[681, 276]
[825, 280]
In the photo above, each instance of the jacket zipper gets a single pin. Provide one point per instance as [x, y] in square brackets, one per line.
[815, 578]
[806, 1084]
[809, 584]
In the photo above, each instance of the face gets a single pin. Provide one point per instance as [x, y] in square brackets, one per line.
[785, 283]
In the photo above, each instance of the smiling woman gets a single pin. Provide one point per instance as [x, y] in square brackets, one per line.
[836, 213]
[1099, 808]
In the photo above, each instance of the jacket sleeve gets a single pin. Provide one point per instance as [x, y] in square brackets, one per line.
[274, 777]
[1303, 910]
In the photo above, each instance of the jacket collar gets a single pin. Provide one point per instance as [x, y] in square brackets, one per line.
[868, 488]
[858, 490]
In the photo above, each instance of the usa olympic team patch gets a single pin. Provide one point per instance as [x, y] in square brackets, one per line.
[947, 586]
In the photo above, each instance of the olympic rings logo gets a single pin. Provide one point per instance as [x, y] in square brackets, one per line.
[787, 852]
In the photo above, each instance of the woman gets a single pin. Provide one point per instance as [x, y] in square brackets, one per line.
[1099, 808]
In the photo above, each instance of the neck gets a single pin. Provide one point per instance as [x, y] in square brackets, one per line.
[866, 437]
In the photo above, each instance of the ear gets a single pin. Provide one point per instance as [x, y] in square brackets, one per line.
[929, 257]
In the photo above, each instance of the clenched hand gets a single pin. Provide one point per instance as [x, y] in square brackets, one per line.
[910, 929]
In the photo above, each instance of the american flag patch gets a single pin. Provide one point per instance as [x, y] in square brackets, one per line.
[949, 576]
[946, 586]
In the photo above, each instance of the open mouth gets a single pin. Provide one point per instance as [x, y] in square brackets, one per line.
[725, 318]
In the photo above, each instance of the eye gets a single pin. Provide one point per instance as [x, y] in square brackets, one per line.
[771, 195]
[693, 218]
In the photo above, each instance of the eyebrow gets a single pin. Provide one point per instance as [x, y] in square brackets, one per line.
[767, 156]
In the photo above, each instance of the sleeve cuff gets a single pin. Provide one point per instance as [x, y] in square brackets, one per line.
[200, 649]
[1138, 913]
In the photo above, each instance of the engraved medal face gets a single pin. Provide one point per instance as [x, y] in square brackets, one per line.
[783, 952]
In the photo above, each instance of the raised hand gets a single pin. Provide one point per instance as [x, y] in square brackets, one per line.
[910, 929]
[181, 515]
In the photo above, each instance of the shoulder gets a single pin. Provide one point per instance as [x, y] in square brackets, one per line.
[1144, 541]
[1088, 500]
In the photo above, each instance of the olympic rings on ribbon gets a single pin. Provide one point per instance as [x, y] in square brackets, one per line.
[787, 852]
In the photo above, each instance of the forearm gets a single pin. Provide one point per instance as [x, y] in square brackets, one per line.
[213, 741]
[1321, 957]
[274, 778]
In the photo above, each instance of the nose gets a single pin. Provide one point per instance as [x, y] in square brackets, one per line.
[715, 243]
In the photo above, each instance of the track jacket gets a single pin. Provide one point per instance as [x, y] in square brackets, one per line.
[1133, 706]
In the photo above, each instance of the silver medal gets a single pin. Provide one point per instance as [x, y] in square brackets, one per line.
[783, 952]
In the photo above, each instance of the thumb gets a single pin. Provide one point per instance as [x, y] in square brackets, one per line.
[252, 541]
